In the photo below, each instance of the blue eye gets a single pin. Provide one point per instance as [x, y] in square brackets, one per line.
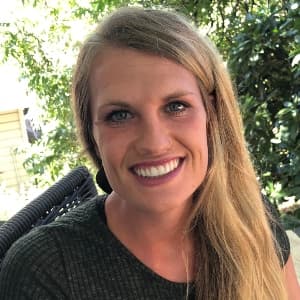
[118, 116]
[176, 107]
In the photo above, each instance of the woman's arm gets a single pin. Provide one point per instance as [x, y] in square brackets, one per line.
[291, 282]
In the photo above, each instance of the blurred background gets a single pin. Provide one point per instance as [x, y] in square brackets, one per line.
[259, 40]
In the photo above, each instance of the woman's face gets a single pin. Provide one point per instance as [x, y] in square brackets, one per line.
[149, 124]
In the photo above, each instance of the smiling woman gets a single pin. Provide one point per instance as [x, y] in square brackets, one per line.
[183, 217]
[153, 127]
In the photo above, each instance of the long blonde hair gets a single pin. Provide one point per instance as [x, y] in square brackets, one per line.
[235, 253]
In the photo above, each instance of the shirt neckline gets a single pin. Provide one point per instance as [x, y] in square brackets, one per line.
[112, 239]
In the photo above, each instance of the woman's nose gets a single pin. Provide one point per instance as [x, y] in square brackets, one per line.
[154, 138]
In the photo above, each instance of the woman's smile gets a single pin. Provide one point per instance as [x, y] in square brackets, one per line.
[156, 168]
[156, 173]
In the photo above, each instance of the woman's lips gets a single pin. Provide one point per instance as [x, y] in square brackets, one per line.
[153, 173]
[156, 169]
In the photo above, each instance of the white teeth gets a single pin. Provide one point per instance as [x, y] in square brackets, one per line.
[154, 171]
[162, 170]
[158, 170]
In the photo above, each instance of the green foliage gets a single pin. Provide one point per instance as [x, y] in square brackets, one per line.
[262, 59]
[259, 39]
[50, 80]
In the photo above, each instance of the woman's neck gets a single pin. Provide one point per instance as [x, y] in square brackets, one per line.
[159, 240]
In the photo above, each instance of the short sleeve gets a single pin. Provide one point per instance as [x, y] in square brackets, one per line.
[283, 243]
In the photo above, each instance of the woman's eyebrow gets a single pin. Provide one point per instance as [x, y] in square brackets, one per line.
[178, 94]
[118, 103]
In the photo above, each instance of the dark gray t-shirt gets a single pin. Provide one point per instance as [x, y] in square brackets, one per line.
[77, 257]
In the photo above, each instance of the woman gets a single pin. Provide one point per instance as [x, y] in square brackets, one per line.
[184, 218]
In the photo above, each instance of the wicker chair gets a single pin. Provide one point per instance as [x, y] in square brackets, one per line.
[73, 189]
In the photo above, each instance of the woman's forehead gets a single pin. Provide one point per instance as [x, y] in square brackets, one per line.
[120, 67]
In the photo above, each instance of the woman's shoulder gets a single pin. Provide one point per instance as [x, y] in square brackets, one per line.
[79, 221]
[85, 217]
[32, 258]
[40, 255]
[79, 215]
